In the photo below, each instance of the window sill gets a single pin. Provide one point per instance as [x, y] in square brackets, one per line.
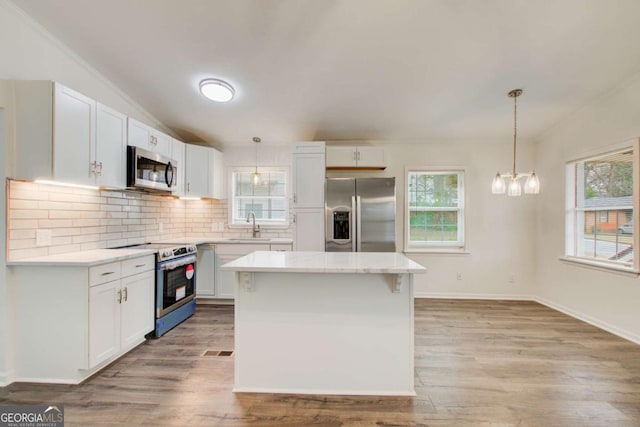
[437, 251]
[262, 226]
[601, 266]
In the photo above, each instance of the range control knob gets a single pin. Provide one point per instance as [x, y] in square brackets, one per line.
[191, 249]
[167, 253]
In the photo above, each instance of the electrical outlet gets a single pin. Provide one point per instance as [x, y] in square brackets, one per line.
[43, 237]
[160, 227]
[512, 278]
[459, 276]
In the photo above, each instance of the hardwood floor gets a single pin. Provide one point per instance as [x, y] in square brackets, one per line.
[477, 363]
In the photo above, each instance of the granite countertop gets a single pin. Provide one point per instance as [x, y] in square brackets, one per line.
[325, 262]
[102, 256]
[84, 258]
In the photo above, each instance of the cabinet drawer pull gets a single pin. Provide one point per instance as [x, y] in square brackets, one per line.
[108, 273]
[140, 265]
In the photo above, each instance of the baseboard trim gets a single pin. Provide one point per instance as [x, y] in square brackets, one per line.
[622, 333]
[323, 391]
[46, 380]
[510, 297]
[6, 378]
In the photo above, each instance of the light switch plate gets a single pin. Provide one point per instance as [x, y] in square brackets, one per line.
[43, 237]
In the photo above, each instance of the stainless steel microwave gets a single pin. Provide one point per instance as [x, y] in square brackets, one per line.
[150, 171]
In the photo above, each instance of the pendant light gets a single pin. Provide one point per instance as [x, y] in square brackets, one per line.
[255, 175]
[532, 184]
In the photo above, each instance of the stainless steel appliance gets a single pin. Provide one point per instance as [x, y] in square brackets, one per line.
[360, 214]
[175, 283]
[150, 171]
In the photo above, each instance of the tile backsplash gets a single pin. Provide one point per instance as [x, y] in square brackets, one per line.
[83, 219]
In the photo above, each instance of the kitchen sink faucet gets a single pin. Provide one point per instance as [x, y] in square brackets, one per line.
[256, 228]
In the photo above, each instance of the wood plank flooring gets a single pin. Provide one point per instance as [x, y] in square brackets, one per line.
[477, 363]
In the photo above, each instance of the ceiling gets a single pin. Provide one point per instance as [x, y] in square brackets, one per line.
[353, 69]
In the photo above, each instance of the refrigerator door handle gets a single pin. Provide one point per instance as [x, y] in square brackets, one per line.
[358, 225]
[351, 224]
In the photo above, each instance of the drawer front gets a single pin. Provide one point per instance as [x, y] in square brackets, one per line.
[240, 249]
[138, 265]
[104, 273]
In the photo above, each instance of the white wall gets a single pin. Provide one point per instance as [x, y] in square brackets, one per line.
[31, 53]
[28, 52]
[607, 299]
[500, 230]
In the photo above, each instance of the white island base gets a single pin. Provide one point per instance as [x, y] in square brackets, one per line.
[319, 323]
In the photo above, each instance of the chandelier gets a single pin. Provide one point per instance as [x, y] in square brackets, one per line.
[532, 183]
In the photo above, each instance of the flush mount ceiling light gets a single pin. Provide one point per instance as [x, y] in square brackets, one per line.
[217, 90]
[532, 184]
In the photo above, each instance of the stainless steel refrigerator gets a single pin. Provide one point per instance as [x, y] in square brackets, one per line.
[360, 214]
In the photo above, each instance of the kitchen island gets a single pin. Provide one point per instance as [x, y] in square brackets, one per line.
[324, 323]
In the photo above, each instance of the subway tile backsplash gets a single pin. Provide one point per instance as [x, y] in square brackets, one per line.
[83, 219]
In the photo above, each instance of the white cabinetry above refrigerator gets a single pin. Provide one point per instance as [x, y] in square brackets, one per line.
[359, 157]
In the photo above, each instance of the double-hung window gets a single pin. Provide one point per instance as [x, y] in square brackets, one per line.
[601, 208]
[434, 209]
[266, 197]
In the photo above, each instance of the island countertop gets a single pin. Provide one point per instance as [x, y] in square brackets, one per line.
[325, 262]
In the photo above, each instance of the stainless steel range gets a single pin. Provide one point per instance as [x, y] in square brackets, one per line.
[175, 283]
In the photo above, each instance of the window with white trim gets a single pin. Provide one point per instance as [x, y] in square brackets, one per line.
[266, 197]
[601, 200]
[435, 209]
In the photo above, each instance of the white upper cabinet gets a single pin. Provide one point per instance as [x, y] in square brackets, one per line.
[110, 159]
[308, 195]
[178, 156]
[204, 172]
[74, 126]
[197, 171]
[148, 138]
[65, 136]
[308, 175]
[217, 178]
[355, 157]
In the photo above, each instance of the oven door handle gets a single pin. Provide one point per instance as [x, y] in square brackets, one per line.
[172, 264]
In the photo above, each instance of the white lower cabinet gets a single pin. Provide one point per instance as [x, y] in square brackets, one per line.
[212, 283]
[308, 229]
[104, 322]
[205, 279]
[120, 315]
[71, 321]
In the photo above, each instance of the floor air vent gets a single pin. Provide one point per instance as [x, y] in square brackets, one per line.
[218, 353]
